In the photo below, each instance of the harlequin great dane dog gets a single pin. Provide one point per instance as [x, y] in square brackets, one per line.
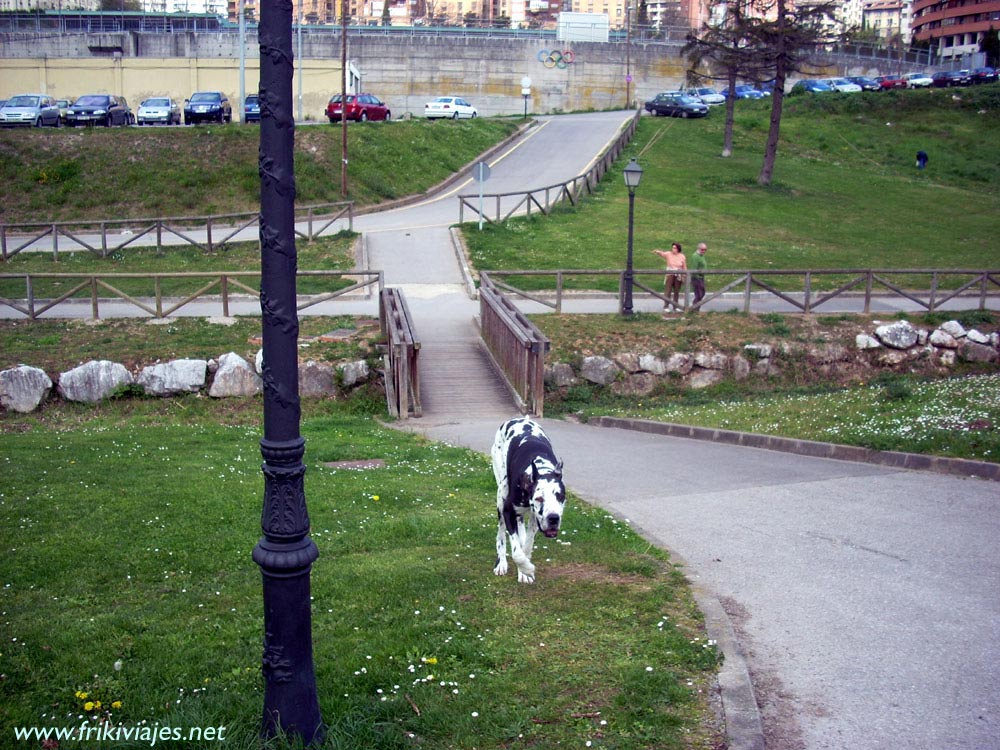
[530, 493]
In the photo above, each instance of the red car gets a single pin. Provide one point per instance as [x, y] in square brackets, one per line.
[360, 108]
[891, 82]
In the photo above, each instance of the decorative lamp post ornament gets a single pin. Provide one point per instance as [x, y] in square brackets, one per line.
[286, 552]
[633, 175]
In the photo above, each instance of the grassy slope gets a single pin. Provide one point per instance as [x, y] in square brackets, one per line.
[96, 173]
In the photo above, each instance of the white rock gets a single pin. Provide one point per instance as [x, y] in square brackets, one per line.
[23, 388]
[93, 381]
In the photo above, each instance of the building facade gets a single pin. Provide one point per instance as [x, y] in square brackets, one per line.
[954, 28]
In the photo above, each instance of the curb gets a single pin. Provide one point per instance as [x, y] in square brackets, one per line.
[893, 459]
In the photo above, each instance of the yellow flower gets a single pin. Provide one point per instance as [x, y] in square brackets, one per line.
[430, 660]
[97, 705]
[375, 498]
[88, 706]
[116, 704]
[81, 695]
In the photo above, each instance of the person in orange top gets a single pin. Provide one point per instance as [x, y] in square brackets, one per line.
[676, 261]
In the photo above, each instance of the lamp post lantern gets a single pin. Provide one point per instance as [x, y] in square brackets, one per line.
[285, 553]
[526, 92]
[633, 174]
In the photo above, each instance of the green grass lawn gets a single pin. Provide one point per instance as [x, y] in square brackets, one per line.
[846, 192]
[127, 580]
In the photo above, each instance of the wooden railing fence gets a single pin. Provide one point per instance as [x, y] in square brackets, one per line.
[103, 238]
[497, 207]
[868, 285]
[516, 344]
[219, 287]
[402, 371]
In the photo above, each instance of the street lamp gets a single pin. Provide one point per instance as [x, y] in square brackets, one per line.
[633, 174]
[526, 92]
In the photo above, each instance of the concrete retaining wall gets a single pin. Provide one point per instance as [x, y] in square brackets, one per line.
[405, 72]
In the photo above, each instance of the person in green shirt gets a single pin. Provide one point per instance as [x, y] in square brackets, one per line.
[698, 265]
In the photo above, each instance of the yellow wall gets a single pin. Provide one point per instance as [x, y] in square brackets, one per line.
[139, 78]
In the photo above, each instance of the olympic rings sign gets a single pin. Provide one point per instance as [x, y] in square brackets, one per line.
[555, 58]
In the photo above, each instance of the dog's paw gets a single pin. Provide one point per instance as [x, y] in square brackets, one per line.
[524, 578]
[501, 568]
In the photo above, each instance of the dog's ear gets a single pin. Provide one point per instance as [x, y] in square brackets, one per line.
[559, 465]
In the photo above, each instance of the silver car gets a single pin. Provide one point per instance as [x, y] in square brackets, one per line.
[158, 109]
[30, 110]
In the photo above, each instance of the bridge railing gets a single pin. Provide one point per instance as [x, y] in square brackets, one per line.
[218, 287]
[402, 371]
[105, 237]
[803, 290]
[516, 345]
[498, 207]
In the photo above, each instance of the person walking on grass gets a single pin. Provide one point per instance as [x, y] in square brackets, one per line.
[674, 281]
[698, 267]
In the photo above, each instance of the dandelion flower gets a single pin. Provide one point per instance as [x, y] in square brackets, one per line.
[88, 706]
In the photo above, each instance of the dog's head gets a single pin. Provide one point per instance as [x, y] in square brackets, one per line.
[542, 483]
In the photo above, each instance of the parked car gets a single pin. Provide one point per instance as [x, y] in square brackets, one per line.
[891, 82]
[99, 109]
[918, 80]
[984, 75]
[745, 91]
[158, 109]
[360, 107]
[251, 108]
[808, 86]
[842, 85]
[948, 78]
[64, 105]
[30, 110]
[766, 88]
[453, 107]
[708, 96]
[866, 83]
[676, 104]
[207, 106]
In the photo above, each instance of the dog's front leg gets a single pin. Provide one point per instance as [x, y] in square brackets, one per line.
[516, 534]
[500, 566]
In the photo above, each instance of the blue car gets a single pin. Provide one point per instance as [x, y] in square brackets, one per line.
[745, 91]
[251, 108]
[806, 86]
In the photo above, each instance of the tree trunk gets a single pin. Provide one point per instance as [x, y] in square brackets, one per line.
[771, 147]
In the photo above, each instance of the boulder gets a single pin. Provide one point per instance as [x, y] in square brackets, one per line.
[317, 380]
[680, 363]
[234, 378]
[598, 370]
[93, 381]
[652, 363]
[864, 341]
[635, 384]
[892, 357]
[174, 377]
[758, 351]
[827, 353]
[711, 360]
[628, 362]
[943, 340]
[946, 357]
[977, 337]
[970, 351]
[899, 335]
[741, 367]
[704, 378]
[953, 328]
[258, 362]
[353, 373]
[560, 375]
[23, 388]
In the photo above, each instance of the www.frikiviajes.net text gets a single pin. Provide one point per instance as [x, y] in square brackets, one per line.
[142, 734]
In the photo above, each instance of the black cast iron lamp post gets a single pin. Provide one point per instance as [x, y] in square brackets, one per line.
[633, 174]
[285, 553]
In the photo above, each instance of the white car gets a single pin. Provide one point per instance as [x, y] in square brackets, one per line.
[159, 109]
[708, 96]
[843, 85]
[452, 107]
[918, 80]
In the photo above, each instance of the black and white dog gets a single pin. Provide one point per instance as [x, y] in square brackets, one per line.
[530, 493]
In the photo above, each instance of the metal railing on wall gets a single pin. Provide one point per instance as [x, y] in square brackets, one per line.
[928, 288]
[498, 207]
[104, 237]
[516, 345]
[217, 287]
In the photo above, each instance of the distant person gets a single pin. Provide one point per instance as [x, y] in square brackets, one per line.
[921, 159]
[698, 267]
[674, 281]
